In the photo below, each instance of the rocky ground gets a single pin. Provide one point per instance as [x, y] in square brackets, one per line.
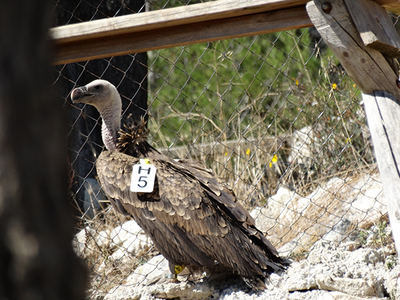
[339, 240]
[329, 272]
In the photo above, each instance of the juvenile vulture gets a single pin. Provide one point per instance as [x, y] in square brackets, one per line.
[193, 219]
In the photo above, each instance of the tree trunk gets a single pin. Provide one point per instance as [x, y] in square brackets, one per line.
[36, 257]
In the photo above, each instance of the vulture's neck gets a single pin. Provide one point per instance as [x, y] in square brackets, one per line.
[111, 116]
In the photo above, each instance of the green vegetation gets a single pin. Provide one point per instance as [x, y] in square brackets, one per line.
[255, 79]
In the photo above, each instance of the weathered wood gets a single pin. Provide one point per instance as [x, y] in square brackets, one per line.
[189, 14]
[367, 66]
[138, 41]
[169, 17]
[373, 74]
[383, 114]
[375, 26]
[391, 5]
[179, 26]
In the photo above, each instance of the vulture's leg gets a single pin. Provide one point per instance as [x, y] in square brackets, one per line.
[175, 270]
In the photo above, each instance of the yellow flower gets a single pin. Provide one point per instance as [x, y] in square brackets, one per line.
[334, 86]
[248, 151]
[297, 82]
[273, 160]
[348, 140]
[354, 85]
[226, 153]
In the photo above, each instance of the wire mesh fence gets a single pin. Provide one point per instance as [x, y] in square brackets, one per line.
[274, 116]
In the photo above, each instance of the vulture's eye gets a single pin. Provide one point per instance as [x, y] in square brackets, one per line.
[97, 87]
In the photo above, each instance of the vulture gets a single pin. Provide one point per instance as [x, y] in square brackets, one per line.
[194, 220]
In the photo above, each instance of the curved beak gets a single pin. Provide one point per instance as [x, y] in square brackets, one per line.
[79, 93]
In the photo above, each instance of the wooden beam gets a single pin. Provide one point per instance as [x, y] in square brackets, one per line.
[79, 49]
[375, 26]
[163, 28]
[367, 66]
[208, 11]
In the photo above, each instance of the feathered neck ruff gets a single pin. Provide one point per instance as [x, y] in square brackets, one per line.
[132, 138]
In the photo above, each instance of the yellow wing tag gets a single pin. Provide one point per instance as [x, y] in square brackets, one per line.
[178, 268]
[143, 177]
[145, 161]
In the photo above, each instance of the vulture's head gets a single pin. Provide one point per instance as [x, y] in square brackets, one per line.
[99, 93]
[104, 96]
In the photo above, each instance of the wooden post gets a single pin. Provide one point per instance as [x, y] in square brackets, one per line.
[384, 37]
[370, 70]
[383, 115]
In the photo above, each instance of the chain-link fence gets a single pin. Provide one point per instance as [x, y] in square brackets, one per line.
[275, 116]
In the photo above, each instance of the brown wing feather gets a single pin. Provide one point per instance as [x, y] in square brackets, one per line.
[192, 218]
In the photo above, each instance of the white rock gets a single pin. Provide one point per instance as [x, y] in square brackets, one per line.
[125, 231]
[126, 241]
[392, 282]
[149, 281]
[150, 271]
[294, 223]
[183, 290]
[103, 238]
[355, 287]
[129, 237]
[300, 276]
[277, 207]
[325, 295]
[304, 145]
[329, 272]
[358, 273]
[81, 241]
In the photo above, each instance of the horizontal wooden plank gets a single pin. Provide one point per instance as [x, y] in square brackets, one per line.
[179, 26]
[181, 35]
[177, 16]
[169, 17]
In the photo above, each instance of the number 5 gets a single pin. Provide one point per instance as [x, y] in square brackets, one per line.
[142, 179]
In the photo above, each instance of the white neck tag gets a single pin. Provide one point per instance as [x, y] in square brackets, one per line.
[143, 177]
